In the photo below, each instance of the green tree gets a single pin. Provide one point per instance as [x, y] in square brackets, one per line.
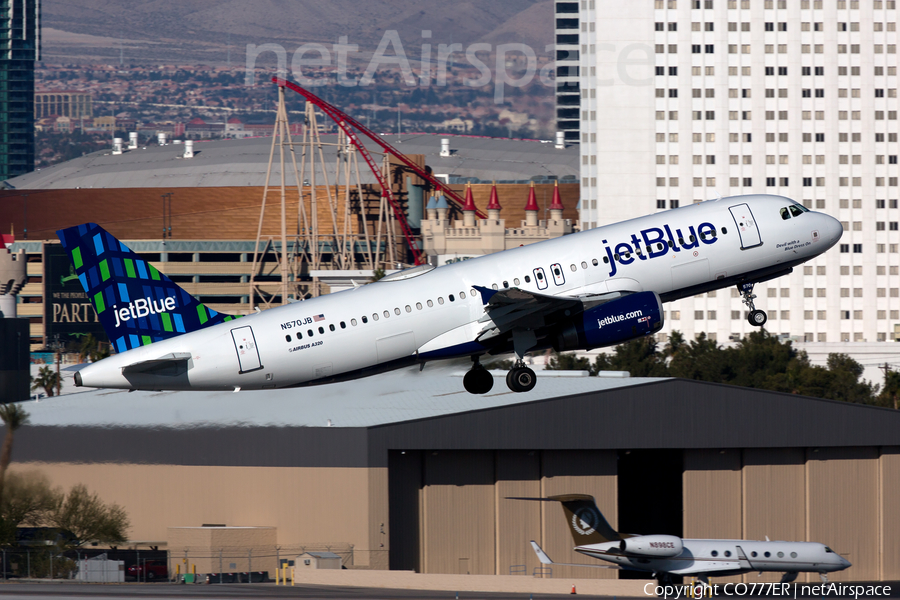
[568, 362]
[639, 357]
[27, 500]
[46, 379]
[891, 389]
[89, 518]
[13, 416]
[91, 349]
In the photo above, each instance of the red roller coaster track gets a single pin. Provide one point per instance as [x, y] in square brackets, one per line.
[351, 126]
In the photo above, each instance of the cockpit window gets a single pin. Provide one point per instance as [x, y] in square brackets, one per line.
[785, 214]
[827, 549]
[795, 209]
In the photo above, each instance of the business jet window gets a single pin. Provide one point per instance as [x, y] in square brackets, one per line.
[793, 555]
[287, 338]
[331, 327]
[795, 210]
[343, 325]
[781, 555]
[714, 553]
[353, 322]
[728, 553]
[827, 549]
[418, 306]
[408, 308]
[365, 320]
[753, 554]
[430, 303]
[321, 330]
[767, 554]
[785, 213]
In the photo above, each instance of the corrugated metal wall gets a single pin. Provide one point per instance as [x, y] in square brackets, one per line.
[842, 500]
[774, 492]
[890, 516]
[518, 522]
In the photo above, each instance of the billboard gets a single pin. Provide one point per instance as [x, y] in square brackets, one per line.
[68, 312]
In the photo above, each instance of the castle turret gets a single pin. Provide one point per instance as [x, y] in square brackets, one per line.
[556, 207]
[469, 208]
[493, 207]
[531, 208]
[441, 207]
[431, 209]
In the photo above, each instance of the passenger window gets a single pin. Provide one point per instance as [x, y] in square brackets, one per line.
[556, 272]
[321, 330]
[583, 265]
[451, 298]
[724, 231]
[528, 279]
[396, 311]
[374, 316]
[540, 276]
[472, 293]
[365, 319]
[353, 322]
[616, 257]
[408, 308]
[516, 281]
[299, 336]
[659, 246]
[785, 215]
[494, 286]
[430, 303]
[440, 300]
[681, 241]
[418, 306]
[343, 325]
[331, 327]
[693, 239]
[462, 294]
[309, 332]
[387, 314]
[505, 284]
[287, 338]
[606, 259]
[573, 267]
[795, 210]
[595, 262]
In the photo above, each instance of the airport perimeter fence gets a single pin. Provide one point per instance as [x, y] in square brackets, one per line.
[249, 564]
[51, 562]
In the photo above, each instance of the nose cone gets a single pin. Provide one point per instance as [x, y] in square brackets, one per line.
[832, 230]
[845, 563]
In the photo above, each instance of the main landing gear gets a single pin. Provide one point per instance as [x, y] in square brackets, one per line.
[478, 380]
[757, 318]
[520, 378]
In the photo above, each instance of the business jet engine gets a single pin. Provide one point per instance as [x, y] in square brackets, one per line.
[657, 546]
[613, 322]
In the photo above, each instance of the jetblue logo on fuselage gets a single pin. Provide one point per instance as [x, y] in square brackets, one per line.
[143, 307]
[654, 242]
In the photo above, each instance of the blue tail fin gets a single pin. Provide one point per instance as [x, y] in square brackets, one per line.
[137, 305]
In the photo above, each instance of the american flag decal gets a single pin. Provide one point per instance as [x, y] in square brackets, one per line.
[318, 318]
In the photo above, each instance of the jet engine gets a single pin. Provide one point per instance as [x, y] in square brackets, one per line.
[613, 322]
[661, 546]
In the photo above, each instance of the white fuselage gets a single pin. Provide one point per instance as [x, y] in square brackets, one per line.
[727, 557]
[436, 314]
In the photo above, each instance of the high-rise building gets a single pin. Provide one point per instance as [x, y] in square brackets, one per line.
[567, 55]
[20, 45]
[686, 100]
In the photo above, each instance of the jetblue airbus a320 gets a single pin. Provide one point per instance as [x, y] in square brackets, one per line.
[592, 289]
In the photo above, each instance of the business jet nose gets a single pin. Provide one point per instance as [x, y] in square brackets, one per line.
[845, 563]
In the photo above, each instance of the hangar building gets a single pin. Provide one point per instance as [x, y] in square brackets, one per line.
[407, 471]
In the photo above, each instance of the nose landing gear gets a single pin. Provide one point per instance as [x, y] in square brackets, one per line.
[757, 318]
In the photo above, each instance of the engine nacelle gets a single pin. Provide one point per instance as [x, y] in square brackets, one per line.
[660, 546]
[613, 322]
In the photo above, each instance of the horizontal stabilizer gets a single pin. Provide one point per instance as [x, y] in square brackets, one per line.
[542, 556]
[173, 364]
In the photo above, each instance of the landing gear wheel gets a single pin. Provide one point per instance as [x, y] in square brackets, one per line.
[521, 379]
[478, 380]
[757, 318]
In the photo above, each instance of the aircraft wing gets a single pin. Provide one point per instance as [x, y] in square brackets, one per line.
[513, 308]
[542, 556]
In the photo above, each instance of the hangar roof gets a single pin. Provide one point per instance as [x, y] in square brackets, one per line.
[222, 163]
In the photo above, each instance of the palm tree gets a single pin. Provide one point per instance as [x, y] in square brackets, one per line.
[13, 416]
[47, 379]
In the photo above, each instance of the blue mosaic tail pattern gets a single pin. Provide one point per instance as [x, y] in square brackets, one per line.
[137, 305]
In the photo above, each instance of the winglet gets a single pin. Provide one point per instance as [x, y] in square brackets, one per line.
[542, 556]
[486, 293]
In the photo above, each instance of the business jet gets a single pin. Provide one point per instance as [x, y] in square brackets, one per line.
[595, 288]
[668, 555]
